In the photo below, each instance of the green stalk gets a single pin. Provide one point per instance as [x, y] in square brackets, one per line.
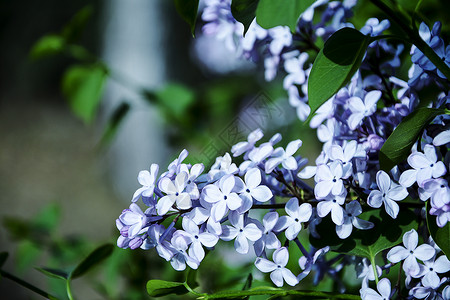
[414, 37]
[26, 285]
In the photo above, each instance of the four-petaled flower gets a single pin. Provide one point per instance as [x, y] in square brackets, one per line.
[175, 193]
[148, 181]
[278, 269]
[384, 291]
[241, 232]
[293, 221]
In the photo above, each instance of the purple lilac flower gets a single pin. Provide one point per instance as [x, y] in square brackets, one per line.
[332, 204]
[268, 239]
[148, 181]
[241, 231]
[352, 210]
[361, 109]
[384, 291]
[279, 272]
[175, 193]
[180, 258]
[244, 147]
[329, 180]
[431, 268]
[285, 158]
[293, 221]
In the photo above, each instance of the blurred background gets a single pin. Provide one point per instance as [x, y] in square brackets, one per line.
[67, 171]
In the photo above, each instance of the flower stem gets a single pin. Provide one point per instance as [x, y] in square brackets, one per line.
[26, 284]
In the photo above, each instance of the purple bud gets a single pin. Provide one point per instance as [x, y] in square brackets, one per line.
[135, 243]
[375, 142]
[124, 231]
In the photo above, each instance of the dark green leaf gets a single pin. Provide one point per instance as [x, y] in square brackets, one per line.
[73, 30]
[335, 65]
[48, 45]
[114, 122]
[93, 259]
[48, 217]
[387, 232]
[440, 235]
[187, 9]
[3, 258]
[244, 11]
[27, 254]
[54, 273]
[83, 86]
[272, 13]
[248, 282]
[159, 288]
[398, 146]
[175, 98]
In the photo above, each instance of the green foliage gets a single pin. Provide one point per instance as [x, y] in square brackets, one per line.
[335, 65]
[174, 99]
[272, 13]
[93, 259]
[159, 288]
[54, 273]
[387, 232]
[440, 235]
[114, 122]
[48, 45]
[3, 258]
[82, 85]
[73, 30]
[187, 9]
[244, 11]
[398, 146]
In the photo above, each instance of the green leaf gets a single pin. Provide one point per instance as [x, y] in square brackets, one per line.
[114, 122]
[159, 288]
[73, 30]
[48, 45]
[387, 232]
[3, 258]
[398, 145]
[93, 259]
[53, 273]
[175, 99]
[191, 278]
[48, 217]
[440, 235]
[248, 282]
[272, 13]
[335, 65]
[244, 11]
[83, 87]
[187, 9]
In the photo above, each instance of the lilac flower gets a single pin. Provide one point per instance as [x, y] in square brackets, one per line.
[389, 193]
[294, 68]
[147, 180]
[251, 189]
[301, 106]
[134, 220]
[345, 155]
[430, 269]
[308, 261]
[222, 166]
[153, 240]
[329, 180]
[442, 138]
[268, 239]
[281, 37]
[196, 238]
[180, 256]
[410, 253]
[279, 156]
[332, 204]
[173, 166]
[361, 109]
[278, 269]
[222, 197]
[192, 174]
[293, 221]
[352, 210]
[365, 271]
[384, 291]
[175, 193]
[426, 166]
[438, 190]
[254, 33]
[326, 111]
[241, 232]
[243, 147]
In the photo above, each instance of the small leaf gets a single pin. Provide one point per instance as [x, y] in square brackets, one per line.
[114, 122]
[48, 218]
[188, 9]
[54, 273]
[73, 30]
[244, 11]
[386, 233]
[440, 235]
[272, 13]
[335, 65]
[93, 259]
[159, 288]
[175, 99]
[3, 258]
[398, 145]
[83, 86]
[48, 45]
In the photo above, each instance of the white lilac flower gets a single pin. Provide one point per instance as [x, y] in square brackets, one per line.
[310, 171]
[293, 221]
[329, 180]
[243, 147]
[307, 262]
[270, 67]
[352, 210]
[442, 138]
[173, 166]
[384, 291]
[222, 166]
[325, 111]
[345, 155]
[180, 258]
[279, 272]
[193, 173]
[147, 180]
[196, 238]
[241, 232]
[254, 33]
[252, 188]
[294, 68]
[389, 193]
[134, 220]
[268, 239]
[281, 37]
[365, 271]
[361, 109]
[325, 133]
[222, 197]
[429, 291]
[280, 156]
[430, 269]
[425, 166]
[153, 241]
[300, 105]
[175, 193]
[410, 253]
[256, 157]
[438, 190]
[332, 204]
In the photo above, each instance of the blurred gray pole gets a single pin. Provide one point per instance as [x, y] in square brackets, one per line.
[133, 46]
